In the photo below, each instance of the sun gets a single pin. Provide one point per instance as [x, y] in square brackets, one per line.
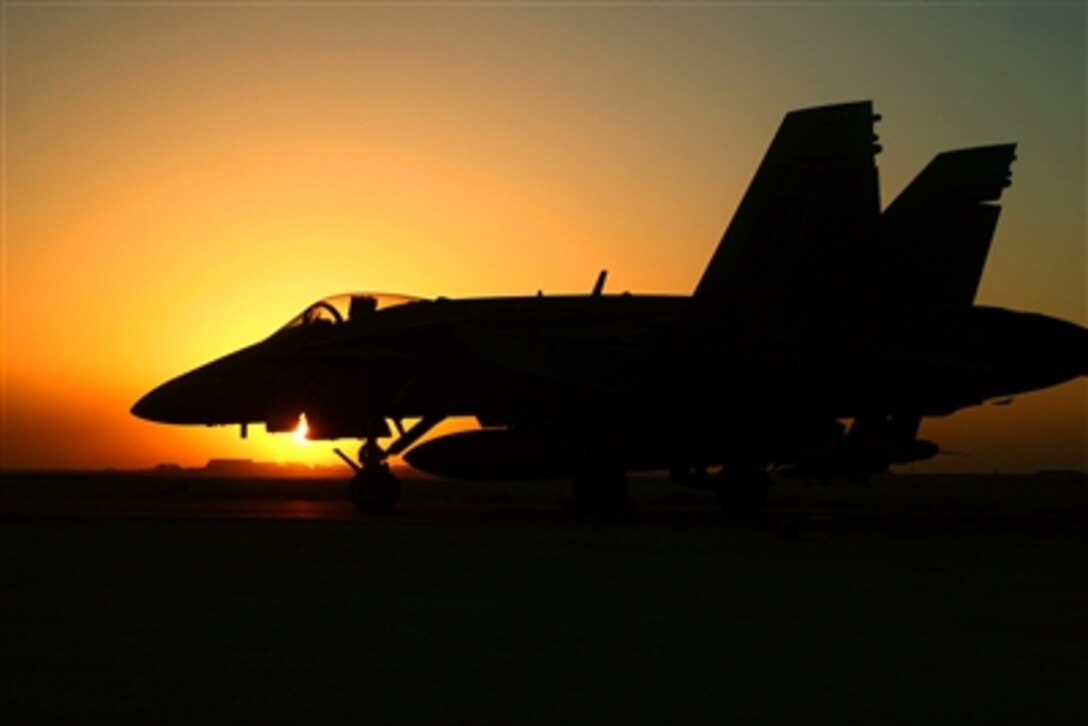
[302, 431]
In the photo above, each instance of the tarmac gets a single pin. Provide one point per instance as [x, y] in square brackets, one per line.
[138, 598]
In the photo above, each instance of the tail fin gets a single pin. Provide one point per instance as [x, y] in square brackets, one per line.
[805, 229]
[936, 234]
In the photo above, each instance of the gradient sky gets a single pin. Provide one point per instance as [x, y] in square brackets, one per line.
[179, 180]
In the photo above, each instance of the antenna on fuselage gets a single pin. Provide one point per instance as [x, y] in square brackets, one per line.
[598, 288]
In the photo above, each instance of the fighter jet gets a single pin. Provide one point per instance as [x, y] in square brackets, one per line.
[821, 333]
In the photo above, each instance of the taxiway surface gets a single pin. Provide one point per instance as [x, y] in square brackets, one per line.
[171, 600]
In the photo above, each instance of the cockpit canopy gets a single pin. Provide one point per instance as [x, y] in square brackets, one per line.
[348, 307]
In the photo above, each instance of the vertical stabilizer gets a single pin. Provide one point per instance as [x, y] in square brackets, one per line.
[804, 233]
[936, 234]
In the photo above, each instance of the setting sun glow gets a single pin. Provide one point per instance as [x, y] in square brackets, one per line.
[302, 431]
[180, 179]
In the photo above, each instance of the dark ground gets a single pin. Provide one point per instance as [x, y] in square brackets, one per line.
[915, 600]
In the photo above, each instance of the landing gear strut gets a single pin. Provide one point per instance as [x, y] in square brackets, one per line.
[742, 489]
[600, 489]
[374, 489]
[739, 488]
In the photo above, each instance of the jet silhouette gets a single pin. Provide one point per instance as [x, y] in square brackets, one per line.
[816, 307]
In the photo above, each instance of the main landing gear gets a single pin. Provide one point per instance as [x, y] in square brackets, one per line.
[375, 489]
[600, 489]
[740, 488]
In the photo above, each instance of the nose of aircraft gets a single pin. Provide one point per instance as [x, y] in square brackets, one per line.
[221, 392]
[182, 400]
[150, 406]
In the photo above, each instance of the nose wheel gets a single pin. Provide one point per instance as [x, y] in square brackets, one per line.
[374, 489]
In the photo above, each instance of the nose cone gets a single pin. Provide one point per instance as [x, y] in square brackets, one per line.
[222, 392]
[186, 399]
[151, 406]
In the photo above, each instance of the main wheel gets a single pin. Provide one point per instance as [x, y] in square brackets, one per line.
[600, 490]
[375, 489]
[742, 490]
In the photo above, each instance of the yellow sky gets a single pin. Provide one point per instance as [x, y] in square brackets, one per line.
[179, 180]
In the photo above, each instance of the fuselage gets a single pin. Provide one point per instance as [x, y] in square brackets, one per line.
[636, 365]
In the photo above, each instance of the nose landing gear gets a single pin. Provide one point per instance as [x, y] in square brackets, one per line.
[375, 489]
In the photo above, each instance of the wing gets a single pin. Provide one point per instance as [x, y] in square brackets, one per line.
[803, 237]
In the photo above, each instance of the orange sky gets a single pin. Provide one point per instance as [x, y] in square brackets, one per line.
[180, 180]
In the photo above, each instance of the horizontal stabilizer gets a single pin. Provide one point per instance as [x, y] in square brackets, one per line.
[936, 234]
